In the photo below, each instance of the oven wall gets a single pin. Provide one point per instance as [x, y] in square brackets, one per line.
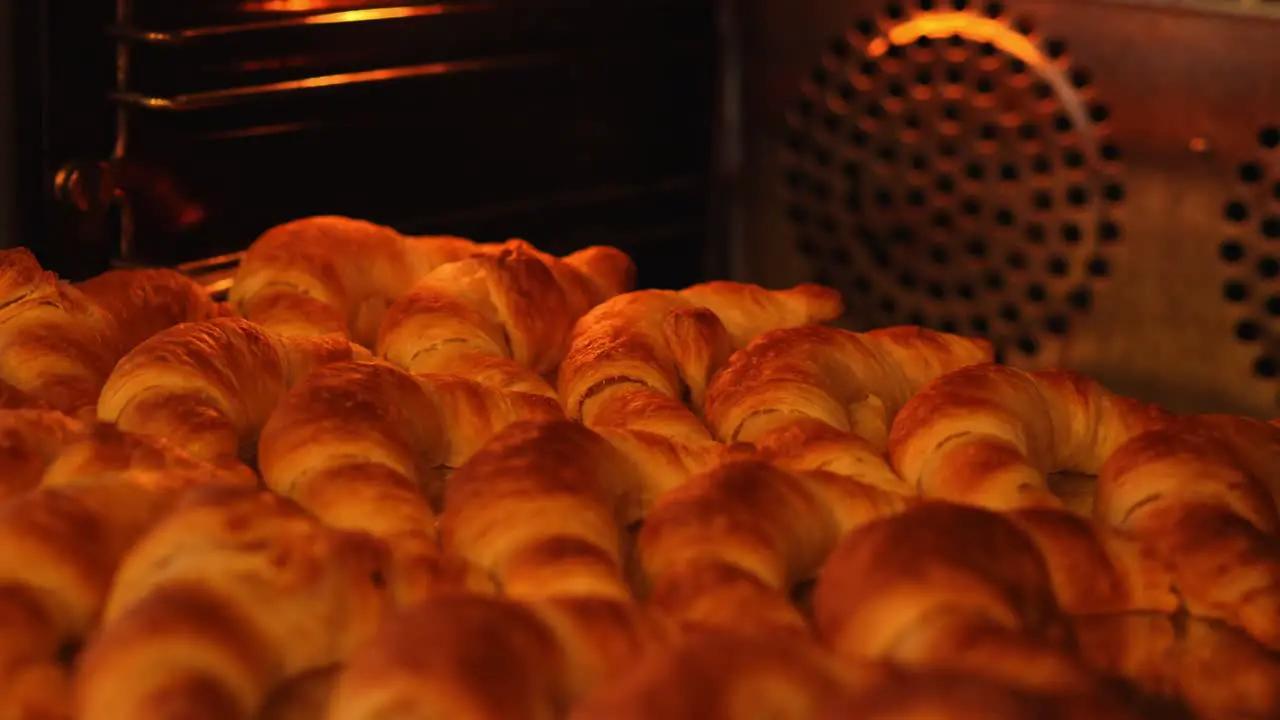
[8, 159]
[1091, 184]
[566, 122]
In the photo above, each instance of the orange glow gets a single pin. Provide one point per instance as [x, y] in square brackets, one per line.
[213, 98]
[937, 26]
[353, 16]
[342, 16]
[293, 6]
[942, 25]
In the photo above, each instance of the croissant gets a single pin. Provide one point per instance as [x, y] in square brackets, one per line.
[43, 448]
[671, 342]
[637, 361]
[854, 382]
[990, 435]
[1187, 490]
[713, 675]
[477, 658]
[29, 441]
[727, 547]
[60, 341]
[326, 274]
[98, 490]
[145, 301]
[11, 398]
[955, 589]
[574, 495]
[211, 386]
[729, 676]
[514, 303]
[1196, 491]
[953, 697]
[362, 445]
[220, 603]
[1218, 672]
[305, 697]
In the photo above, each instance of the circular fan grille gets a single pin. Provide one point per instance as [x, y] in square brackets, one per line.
[1252, 246]
[948, 166]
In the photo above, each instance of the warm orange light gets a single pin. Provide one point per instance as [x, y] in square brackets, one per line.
[937, 26]
[353, 16]
[291, 6]
[942, 25]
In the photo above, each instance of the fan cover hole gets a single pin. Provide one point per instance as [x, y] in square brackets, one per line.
[1252, 250]
[955, 180]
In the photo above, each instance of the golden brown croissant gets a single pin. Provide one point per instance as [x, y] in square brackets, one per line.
[1194, 490]
[29, 441]
[305, 697]
[953, 588]
[1219, 672]
[326, 274]
[1197, 492]
[47, 448]
[231, 594]
[672, 342]
[854, 382]
[573, 494]
[636, 362]
[712, 675]
[727, 547]
[211, 386]
[512, 303]
[362, 445]
[11, 398]
[58, 342]
[145, 301]
[730, 676]
[989, 435]
[936, 696]
[61, 542]
[478, 658]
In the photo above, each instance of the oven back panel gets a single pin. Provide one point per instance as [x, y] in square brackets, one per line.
[560, 121]
[1093, 185]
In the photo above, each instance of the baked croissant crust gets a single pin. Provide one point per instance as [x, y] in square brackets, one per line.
[363, 446]
[671, 342]
[729, 676]
[990, 434]
[146, 301]
[1219, 673]
[854, 382]
[93, 492]
[211, 386]
[510, 302]
[220, 603]
[574, 494]
[1189, 491]
[326, 274]
[714, 675]
[475, 658]
[727, 547]
[58, 342]
[1196, 493]
[957, 589]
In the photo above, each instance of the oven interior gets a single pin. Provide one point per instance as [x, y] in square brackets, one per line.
[1093, 184]
[205, 123]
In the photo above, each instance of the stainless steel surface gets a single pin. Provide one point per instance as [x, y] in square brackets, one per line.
[226, 96]
[1094, 185]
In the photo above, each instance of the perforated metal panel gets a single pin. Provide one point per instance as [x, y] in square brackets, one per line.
[1093, 185]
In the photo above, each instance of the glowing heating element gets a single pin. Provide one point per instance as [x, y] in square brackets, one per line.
[942, 25]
